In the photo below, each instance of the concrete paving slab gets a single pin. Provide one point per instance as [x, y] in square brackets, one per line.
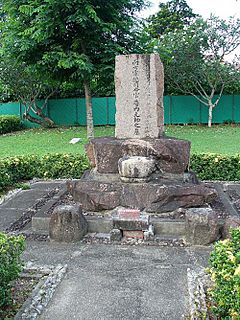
[118, 282]
[199, 254]
[24, 199]
[8, 216]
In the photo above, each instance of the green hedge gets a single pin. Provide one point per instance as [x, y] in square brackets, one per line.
[50, 166]
[9, 124]
[216, 167]
[11, 247]
[225, 273]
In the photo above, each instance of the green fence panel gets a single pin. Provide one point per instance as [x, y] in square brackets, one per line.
[167, 109]
[11, 108]
[177, 110]
[223, 111]
[185, 110]
[63, 111]
[203, 113]
[236, 109]
[30, 125]
[81, 112]
[99, 106]
[111, 110]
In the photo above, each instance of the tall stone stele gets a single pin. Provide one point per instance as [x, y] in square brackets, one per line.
[139, 85]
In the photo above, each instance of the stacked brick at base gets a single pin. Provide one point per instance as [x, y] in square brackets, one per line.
[130, 223]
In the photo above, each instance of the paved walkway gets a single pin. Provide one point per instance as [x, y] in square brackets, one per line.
[108, 282]
[19, 204]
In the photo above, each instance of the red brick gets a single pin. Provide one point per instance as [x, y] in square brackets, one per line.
[129, 214]
[133, 234]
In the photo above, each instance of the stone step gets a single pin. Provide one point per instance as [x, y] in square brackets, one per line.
[163, 240]
[171, 227]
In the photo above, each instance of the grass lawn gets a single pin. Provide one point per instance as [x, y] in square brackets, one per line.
[218, 139]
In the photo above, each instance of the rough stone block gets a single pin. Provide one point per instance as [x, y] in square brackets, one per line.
[67, 224]
[136, 169]
[230, 222]
[115, 235]
[202, 226]
[171, 155]
[139, 85]
[149, 197]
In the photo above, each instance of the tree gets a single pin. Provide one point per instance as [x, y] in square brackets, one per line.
[23, 83]
[195, 59]
[172, 15]
[73, 40]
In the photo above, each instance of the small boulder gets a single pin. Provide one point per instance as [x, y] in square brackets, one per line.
[115, 235]
[230, 223]
[201, 226]
[67, 224]
[136, 168]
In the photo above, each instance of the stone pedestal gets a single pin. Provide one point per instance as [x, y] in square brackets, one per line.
[106, 192]
[140, 168]
[164, 187]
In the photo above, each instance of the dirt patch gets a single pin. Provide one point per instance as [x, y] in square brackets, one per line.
[20, 291]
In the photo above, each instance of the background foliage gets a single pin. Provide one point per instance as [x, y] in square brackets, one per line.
[10, 123]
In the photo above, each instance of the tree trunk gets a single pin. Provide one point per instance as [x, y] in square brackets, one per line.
[210, 110]
[40, 118]
[42, 121]
[47, 122]
[90, 128]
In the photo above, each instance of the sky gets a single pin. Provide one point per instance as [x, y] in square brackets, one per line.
[221, 8]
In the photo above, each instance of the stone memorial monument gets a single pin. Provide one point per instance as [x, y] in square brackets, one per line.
[140, 168]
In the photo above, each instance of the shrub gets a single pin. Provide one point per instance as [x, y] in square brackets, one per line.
[9, 124]
[11, 248]
[52, 166]
[216, 167]
[225, 273]
[15, 169]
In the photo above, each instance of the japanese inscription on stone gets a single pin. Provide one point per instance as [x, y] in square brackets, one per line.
[139, 96]
[136, 91]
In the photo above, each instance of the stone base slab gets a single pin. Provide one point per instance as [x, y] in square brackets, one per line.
[172, 155]
[95, 196]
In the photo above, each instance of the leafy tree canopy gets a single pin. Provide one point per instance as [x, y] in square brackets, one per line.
[172, 15]
[70, 38]
[195, 59]
[69, 41]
